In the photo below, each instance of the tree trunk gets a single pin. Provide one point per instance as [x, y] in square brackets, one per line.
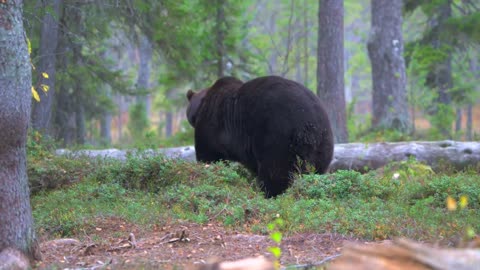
[440, 77]
[385, 49]
[105, 128]
[458, 120]
[16, 222]
[42, 111]
[330, 66]
[81, 130]
[145, 55]
[168, 124]
[220, 28]
[306, 51]
[475, 70]
[298, 66]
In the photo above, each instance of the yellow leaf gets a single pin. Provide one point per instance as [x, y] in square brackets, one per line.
[35, 94]
[470, 232]
[463, 201]
[451, 203]
[45, 87]
[276, 251]
[29, 44]
[45, 75]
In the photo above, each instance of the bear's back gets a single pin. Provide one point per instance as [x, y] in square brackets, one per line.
[273, 98]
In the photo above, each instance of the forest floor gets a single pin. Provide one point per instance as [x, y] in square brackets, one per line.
[179, 245]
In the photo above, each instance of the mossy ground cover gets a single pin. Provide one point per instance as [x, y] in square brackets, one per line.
[404, 199]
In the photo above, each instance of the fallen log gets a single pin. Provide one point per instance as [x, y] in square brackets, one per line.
[350, 156]
[405, 254]
[368, 156]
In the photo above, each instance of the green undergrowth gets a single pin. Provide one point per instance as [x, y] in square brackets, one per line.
[404, 199]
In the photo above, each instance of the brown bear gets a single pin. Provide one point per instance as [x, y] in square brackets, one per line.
[271, 125]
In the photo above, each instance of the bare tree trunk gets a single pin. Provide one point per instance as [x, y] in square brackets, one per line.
[168, 124]
[220, 25]
[64, 118]
[62, 99]
[458, 120]
[81, 130]
[298, 66]
[469, 133]
[306, 53]
[330, 66]
[42, 111]
[474, 70]
[16, 222]
[385, 49]
[105, 128]
[440, 77]
[145, 53]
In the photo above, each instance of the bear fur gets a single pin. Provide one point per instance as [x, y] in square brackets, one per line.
[273, 126]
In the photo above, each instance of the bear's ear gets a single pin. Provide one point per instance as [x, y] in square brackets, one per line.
[190, 94]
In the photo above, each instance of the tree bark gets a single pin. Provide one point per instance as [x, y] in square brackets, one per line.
[42, 111]
[105, 128]
[440, 76]
[330, 66]
[458, 120]
[145, 57]
[81, 130]
[469, 133]
[475, 70]
[306, 51]
[16, 222]
[220, 28]
[168, 124]
[385, 49]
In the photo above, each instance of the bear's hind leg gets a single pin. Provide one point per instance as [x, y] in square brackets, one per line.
[273, 179]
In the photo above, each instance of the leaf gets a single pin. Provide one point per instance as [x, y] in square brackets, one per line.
[276, 236]
[451, 204]
[463, 201]
[29, 45]
[35, 94]
[470, 232]
[45, 75]
[276, 251]
[45, 87]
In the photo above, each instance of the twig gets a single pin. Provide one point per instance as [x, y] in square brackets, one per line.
[218, 214]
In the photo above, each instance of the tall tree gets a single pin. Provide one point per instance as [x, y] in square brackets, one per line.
[220, 37]
[330, 66]
[440, 77]
[144, 63]
[16, 222]
[42, 111]
[450, 29]
[385, 49]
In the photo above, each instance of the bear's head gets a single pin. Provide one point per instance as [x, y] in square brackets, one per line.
[194, 101]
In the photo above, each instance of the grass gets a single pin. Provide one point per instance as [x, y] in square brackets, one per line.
[404, 199]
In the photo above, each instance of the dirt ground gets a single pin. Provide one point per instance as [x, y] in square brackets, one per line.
[106, 246]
